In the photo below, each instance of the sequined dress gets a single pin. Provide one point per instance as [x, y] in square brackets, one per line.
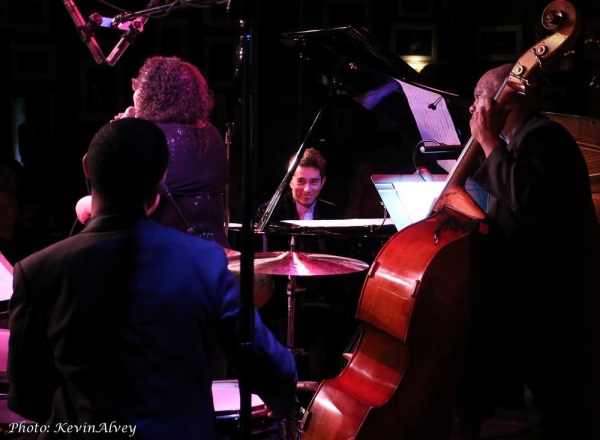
[197, 178]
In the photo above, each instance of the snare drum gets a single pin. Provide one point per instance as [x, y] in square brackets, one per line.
[226, 398]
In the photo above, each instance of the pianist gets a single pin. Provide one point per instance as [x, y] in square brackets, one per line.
[302, 202]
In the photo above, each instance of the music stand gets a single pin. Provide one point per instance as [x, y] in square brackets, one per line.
[409, 198]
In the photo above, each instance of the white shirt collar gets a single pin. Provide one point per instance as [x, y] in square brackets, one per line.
[305, 213]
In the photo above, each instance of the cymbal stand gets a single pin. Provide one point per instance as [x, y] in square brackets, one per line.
[292, 290]
[228, 134]
[289, 424]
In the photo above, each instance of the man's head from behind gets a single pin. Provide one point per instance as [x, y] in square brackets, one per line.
[125, 162]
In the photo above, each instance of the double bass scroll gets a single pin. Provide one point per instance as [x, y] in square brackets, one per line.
[415, 306]
[559, 17]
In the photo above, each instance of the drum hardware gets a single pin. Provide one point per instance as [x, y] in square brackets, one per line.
[308, 386]
[226, 401]
[292, 291]
[228, 142]
[232, 254]
[4, 337]
[263, 286]
[293, 264]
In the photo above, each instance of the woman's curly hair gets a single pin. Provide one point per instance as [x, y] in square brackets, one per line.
[172, 90]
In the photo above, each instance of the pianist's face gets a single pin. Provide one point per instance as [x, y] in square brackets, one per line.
[306, 185]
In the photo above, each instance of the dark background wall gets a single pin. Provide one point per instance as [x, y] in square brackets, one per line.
[50, 82]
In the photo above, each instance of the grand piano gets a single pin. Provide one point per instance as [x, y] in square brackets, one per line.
[378, 80]
[356, 65]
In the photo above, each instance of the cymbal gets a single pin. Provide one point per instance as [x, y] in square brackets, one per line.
[263, 286]
[298, 263]
[231, 254]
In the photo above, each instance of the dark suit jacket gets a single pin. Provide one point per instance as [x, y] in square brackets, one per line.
[286, 210]
[119, 323]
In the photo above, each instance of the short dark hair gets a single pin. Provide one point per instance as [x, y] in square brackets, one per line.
[127, 159]
[500, 73]
[313, 159]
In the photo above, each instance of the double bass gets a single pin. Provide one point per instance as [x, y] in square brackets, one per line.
[415, 305]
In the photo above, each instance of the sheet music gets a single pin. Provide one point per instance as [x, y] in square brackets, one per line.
[418, 197]
[341, 223]
[433, 123]
[447, 164]
[408, 198]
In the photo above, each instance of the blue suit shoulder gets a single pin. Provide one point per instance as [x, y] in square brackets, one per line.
[179, 239]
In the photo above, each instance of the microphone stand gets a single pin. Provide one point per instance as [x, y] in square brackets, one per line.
[228, 134]
[164, 191]
[249, 84]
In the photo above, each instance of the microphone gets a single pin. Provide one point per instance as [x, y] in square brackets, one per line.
[441, 148]
[136, 27]
[110, 23]
[435, 103]
[85, 30]
[130, 113]
[83, 209]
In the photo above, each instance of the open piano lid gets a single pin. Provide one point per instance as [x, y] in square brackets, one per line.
[370, 75]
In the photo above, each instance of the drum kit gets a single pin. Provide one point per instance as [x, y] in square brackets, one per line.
[12, 425]
[285, 263]
[226, 400]
[291, 264]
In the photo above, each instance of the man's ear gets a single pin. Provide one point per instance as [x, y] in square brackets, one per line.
[86, 173]
[161, 188]
[85, 166]
[323, 180]
[150, 210]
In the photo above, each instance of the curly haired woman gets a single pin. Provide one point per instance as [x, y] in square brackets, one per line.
[175, 95]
